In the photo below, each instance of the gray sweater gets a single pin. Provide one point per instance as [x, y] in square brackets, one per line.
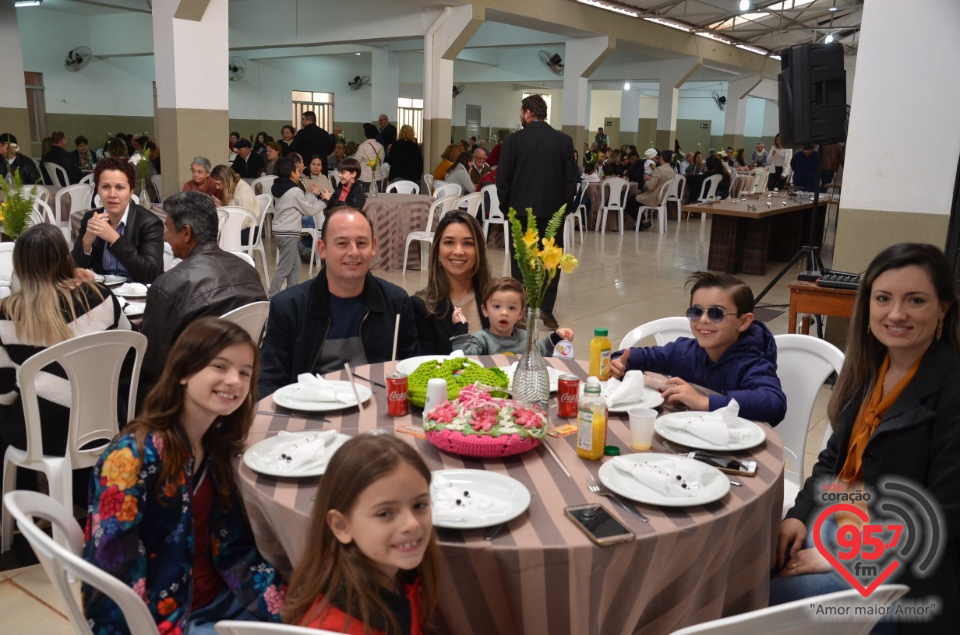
[290, 209]
[486, 343]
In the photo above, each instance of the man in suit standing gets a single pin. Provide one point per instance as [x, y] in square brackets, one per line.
[537, 170]
[312, 140]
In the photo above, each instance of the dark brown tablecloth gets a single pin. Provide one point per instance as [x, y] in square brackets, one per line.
[541, 574]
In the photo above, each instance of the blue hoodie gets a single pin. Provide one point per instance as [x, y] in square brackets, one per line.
[747, 371]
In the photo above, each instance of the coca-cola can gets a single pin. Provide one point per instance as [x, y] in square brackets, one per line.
[397, 404]
[568, 394]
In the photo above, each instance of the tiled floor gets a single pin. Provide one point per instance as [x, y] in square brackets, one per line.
[622, 281]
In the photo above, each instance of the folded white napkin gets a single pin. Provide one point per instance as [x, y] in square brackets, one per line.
[133, 308]
[672, 478]
[131, 288]
[457, 503]
[720, 427]
[627, 390]
[298, 450]
[315, 388]
[457, 353]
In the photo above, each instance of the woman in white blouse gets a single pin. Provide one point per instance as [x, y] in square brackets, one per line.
[370, 151]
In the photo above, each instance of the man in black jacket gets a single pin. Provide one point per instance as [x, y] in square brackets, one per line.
[11, 160]
[312, 140]
[537, 170]
[58, 154]
[343, 315]
[248, 164]
[209, 281]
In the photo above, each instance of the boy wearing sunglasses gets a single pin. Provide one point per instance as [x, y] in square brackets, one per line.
[731, 353]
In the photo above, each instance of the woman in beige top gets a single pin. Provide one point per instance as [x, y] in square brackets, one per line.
[236, 193]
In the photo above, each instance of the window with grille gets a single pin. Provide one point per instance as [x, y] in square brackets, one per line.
[309, 101]
[410, 113]
[473, 121]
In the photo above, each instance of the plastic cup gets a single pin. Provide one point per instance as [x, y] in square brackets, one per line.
[641, 427]
[436, 393]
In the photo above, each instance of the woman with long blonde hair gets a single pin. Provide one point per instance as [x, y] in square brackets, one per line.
[236, 193]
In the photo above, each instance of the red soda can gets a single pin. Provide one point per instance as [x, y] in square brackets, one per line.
[397, 404]
[568, 394]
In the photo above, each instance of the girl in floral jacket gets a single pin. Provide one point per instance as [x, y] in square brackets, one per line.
[164, 514]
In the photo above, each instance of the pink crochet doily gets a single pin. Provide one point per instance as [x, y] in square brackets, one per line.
[481, 446]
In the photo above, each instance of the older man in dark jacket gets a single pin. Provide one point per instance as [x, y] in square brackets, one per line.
[209, 281]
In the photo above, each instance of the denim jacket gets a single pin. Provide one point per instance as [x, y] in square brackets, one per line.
[145, 538]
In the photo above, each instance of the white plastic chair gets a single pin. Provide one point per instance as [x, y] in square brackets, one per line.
[230, 229]
[63, 563]
[155, 180]
[759, 183]
[43, 213]
[334, 177]
[708, 193]
[800, 618]
[404, 187]
[471, 203]
[80, 196]
[803, 363]
[264, 182]
[58, 175]
[447, 189]
[664, 330]
[93, 409]
[494, 216]
[229, 627]
[614, 192]
[314, 237]
[6, 259]
[575, 219]
[247, 258]
[677, 187]
[252, 317]
[265, 201]
[88, 179]
[661, 209]
[428, 181]
[437, 209]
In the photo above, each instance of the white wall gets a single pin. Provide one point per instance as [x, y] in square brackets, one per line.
[10, 70]
[904, 101]
[702, 109]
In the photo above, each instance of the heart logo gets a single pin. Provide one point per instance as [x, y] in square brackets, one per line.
[865, 591]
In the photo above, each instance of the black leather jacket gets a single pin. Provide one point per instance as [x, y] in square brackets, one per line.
[29, 172]
[209, 281]
[139, 250]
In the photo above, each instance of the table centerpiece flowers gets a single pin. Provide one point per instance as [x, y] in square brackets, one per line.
[15, 210]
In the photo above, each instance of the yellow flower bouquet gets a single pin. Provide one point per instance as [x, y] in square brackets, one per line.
[539, 259]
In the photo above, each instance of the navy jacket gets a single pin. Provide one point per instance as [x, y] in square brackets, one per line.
[300, 320]
[747, 371]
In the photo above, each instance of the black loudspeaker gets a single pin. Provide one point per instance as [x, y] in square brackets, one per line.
[813, 94]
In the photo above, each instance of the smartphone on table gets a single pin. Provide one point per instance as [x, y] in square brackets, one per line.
[598, 524]
[727, 464]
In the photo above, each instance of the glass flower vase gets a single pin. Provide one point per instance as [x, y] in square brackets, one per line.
[144, 197]
[372, 193]
[531, 383]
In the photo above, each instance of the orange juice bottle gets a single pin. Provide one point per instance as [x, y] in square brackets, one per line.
[600, 355]
[591, 422]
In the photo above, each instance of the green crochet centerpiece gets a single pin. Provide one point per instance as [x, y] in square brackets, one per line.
[458, 371]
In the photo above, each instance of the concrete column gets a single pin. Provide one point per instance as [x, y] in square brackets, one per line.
[629, 116]
[877, 208]
[385, 84]
[582, 56]
[191, 52]
[735, 115]
[673, 74]
[13, 97]
[443, 41]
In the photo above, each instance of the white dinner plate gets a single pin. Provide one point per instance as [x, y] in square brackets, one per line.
[412, 363]
[490, 484]
[754, 433]
[713, 484]
[552, 372]
[131, 290]
[111, 280]
[651, 399]
[257, 457]
[286, 397]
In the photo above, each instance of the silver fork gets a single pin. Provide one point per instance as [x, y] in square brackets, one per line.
[599, 489]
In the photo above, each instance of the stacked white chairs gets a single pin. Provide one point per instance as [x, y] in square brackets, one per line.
[437, 209]
[251, 317]
[447, 189]
[58, 176]
[661, 208]
[664, 331]
[404, 187]
[803, 363]
[93, 410]
[614, 192]
[859, 616]
[63, 562]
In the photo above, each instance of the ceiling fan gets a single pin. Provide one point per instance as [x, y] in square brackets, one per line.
[359, 82]
[719, 99]
[554, 62]
[77, 59]
[237, 66]
[458, 90]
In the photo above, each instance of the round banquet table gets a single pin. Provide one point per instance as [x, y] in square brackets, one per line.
[540, 574]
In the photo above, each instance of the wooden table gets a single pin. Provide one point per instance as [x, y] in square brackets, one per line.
[541, 574]
[807, 297]
[743, 240]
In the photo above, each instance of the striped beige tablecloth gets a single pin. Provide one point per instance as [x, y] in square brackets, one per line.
[541, 574]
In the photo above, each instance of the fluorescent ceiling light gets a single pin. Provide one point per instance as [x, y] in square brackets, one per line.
[753, 49]
[612, 6]
[775, 57]
[672, 25]
[744, 5]
[626, 85]
[829, 38]
[713, 36]
[27, 3]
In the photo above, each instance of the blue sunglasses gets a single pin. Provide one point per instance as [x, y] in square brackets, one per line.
[715, 314]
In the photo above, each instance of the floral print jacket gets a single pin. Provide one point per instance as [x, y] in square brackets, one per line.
[145, 538]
